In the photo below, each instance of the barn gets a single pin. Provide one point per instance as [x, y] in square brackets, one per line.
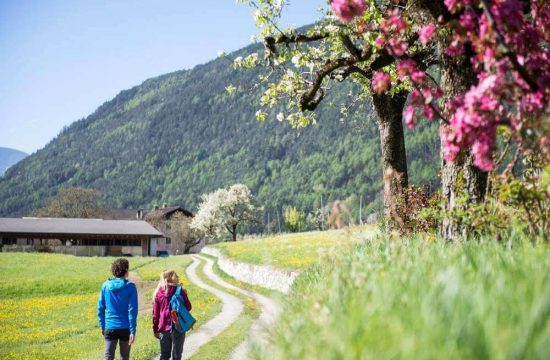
[81, 237]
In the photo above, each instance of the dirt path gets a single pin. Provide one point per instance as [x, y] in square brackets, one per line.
[145, 304]
[231, 310]
[269, 311]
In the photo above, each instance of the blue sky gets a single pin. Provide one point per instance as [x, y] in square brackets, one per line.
[60, 60]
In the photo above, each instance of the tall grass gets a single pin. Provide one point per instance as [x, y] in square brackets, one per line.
[413, 299]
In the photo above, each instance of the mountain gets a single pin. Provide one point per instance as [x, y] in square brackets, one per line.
[179, 135]
[8, 157]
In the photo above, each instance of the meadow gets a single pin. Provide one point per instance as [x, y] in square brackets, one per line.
[361, 295]
[48, 304]
[391, 298]
[295, 250]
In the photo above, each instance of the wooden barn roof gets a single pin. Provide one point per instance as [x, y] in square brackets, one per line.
[77, 227]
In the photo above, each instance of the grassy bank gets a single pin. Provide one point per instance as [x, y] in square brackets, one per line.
[413, 299]
[48, 305]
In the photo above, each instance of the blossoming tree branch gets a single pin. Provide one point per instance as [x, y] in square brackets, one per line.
[479, 67]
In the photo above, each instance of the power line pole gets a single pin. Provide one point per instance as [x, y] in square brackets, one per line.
[360, 209]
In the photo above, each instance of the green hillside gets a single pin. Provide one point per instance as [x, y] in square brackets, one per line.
[179, 135]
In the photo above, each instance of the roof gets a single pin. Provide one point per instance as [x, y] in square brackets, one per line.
[77, 226]
[120, 214]
[167, 211]
[131, 214]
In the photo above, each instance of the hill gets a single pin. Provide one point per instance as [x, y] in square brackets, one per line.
[8, 157]
[179, 135]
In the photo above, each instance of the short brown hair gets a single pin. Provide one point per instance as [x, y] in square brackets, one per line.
[120, 267]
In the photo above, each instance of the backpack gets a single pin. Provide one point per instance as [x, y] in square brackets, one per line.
[181, 318]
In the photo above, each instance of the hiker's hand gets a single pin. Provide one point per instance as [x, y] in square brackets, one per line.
[132, 339]
[103, 332]
[157, 335]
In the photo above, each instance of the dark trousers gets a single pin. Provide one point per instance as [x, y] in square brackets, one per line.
[171, 344]
[112, 337]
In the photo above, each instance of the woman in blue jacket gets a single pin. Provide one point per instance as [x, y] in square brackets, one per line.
[117, 309]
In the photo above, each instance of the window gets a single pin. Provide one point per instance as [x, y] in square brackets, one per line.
[134, 242]
[168, 241]
[9, 241]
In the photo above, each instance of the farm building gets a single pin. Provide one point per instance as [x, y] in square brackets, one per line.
[83, 237]
[173, 221]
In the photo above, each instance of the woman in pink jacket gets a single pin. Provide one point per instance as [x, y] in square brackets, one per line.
[171, 342]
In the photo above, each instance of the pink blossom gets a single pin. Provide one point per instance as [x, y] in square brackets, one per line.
[409, 116]
[397, 46]
[452, 5]
[347, 10]
[380, 41]
[482, 149]
[381, 82]
[426, 33]
[397, 22]
[468, 21]
[429, 112]
[532, 102]
[405, 67]
[394, 23]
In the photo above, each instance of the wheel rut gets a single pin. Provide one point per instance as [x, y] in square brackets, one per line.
[269, 311]
[231, 310]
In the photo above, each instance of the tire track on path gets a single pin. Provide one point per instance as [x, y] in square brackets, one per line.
[231, 310]
[269, 311]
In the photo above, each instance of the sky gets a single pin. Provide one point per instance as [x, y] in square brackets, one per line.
[60, 60]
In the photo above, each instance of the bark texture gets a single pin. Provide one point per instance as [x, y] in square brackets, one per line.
[457, 76]
[461, 177]
[389, 110]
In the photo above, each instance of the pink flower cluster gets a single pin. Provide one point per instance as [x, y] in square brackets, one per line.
[509, 49]
[393, 31]
[381, 82]
[347, 10]
[473, 124]
[512, 60]
[426, 33]
[423, 96]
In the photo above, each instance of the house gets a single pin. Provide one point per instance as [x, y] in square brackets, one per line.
[173, 221]
[83, 237]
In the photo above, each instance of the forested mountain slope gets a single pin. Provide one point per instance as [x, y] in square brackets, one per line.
[179, 135]
[8, 157]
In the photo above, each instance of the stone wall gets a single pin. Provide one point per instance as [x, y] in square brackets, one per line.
[261, 275]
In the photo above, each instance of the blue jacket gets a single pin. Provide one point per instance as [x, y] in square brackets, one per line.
[117, 307]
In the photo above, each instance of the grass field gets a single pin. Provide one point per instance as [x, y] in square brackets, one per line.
[48, 305]
[293, 251]
[417, 299]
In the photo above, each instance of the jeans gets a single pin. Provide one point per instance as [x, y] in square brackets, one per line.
[112, 337]
[171, 344]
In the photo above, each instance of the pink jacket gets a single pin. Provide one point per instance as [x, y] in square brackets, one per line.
[161, 309]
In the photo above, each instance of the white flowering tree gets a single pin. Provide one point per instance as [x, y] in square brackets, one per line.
[224, 210]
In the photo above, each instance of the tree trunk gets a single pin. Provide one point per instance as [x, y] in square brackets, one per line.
[389, 110]
[457, 76]
[234, 233]
[461, 177]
